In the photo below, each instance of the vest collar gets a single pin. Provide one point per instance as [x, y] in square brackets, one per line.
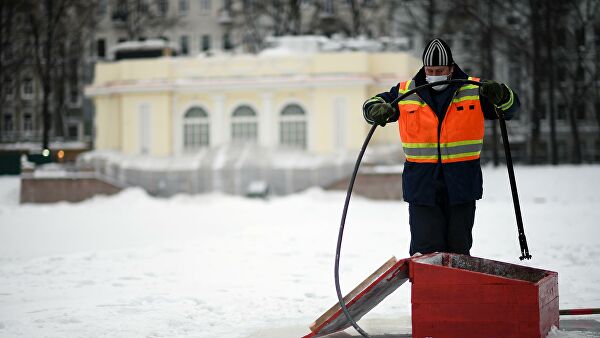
[419, 80]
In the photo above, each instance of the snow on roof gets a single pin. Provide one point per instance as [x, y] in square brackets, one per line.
[303, 44]
[364, 44]
[37, 146]
[142, 45]
[287, 45]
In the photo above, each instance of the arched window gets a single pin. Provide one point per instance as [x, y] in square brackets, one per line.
[292, 127]
[195, 129]
[244, 126]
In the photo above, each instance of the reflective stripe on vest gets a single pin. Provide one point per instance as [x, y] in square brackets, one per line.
[510, 102]
[450, 150]
[461, 135]
[412, 98]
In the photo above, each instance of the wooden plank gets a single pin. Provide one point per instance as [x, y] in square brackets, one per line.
[548, 317]
[353, 293]
[365, 300]
[548, 289]
[436, 274]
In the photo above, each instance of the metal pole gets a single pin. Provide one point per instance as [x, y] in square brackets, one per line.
[579, 312]
[513, 187]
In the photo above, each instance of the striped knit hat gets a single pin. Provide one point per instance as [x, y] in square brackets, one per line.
[437, 53]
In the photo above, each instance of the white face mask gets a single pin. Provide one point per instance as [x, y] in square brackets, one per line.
[436, 78]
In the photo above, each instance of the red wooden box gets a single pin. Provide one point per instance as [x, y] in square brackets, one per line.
[457, 296]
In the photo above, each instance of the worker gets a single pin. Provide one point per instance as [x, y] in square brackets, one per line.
[441, 129]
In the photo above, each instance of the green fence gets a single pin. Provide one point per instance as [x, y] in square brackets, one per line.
[10, 161]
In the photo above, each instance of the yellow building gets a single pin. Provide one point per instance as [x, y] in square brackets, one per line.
[177, 106]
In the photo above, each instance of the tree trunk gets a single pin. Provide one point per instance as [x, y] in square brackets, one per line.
[489, 46]
[295, 17]
[576, 157]
[8, 68]
[355, 8]
[550, 30]
[61, 79]
[2, 89]
[596, 73]
[46, 77]
[536, 76]
[578, 92]
[430, 21]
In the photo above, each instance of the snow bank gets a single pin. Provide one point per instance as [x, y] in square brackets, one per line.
[9, 191]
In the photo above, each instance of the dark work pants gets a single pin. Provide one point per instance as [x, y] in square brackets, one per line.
[442, 227]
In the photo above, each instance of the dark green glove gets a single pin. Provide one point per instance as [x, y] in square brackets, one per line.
[381, 112]
[494, 91]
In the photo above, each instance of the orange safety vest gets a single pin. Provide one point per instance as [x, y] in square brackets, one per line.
[461, 134]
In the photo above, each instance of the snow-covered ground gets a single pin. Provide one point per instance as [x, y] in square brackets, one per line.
[132, 265]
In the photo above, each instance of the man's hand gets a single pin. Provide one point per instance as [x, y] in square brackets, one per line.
[381, 112]
[493, 91]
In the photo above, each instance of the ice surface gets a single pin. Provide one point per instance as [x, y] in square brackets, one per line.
[213, 265]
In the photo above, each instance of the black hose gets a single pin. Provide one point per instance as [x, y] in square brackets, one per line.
[349, 193]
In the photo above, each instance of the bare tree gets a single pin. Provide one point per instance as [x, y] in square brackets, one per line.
[425, 18]
[576, 56]
[141, 18]
[514, 29]
[487, 53]
[43, 18]
[70, 60]
[550, 31]
[369, 18]
[594, 70]
[535, 116]
[11, 51]
[53, 24]
[488, 67]
[256, 20]
[356, 17]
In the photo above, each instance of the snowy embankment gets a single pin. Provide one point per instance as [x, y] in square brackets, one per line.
[221, 266]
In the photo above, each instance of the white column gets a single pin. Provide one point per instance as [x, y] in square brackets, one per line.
[310, 123]
[218, 136]
[176, 126]
[218, 121]
[144, 122]
[339, 124]
[267, 123]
